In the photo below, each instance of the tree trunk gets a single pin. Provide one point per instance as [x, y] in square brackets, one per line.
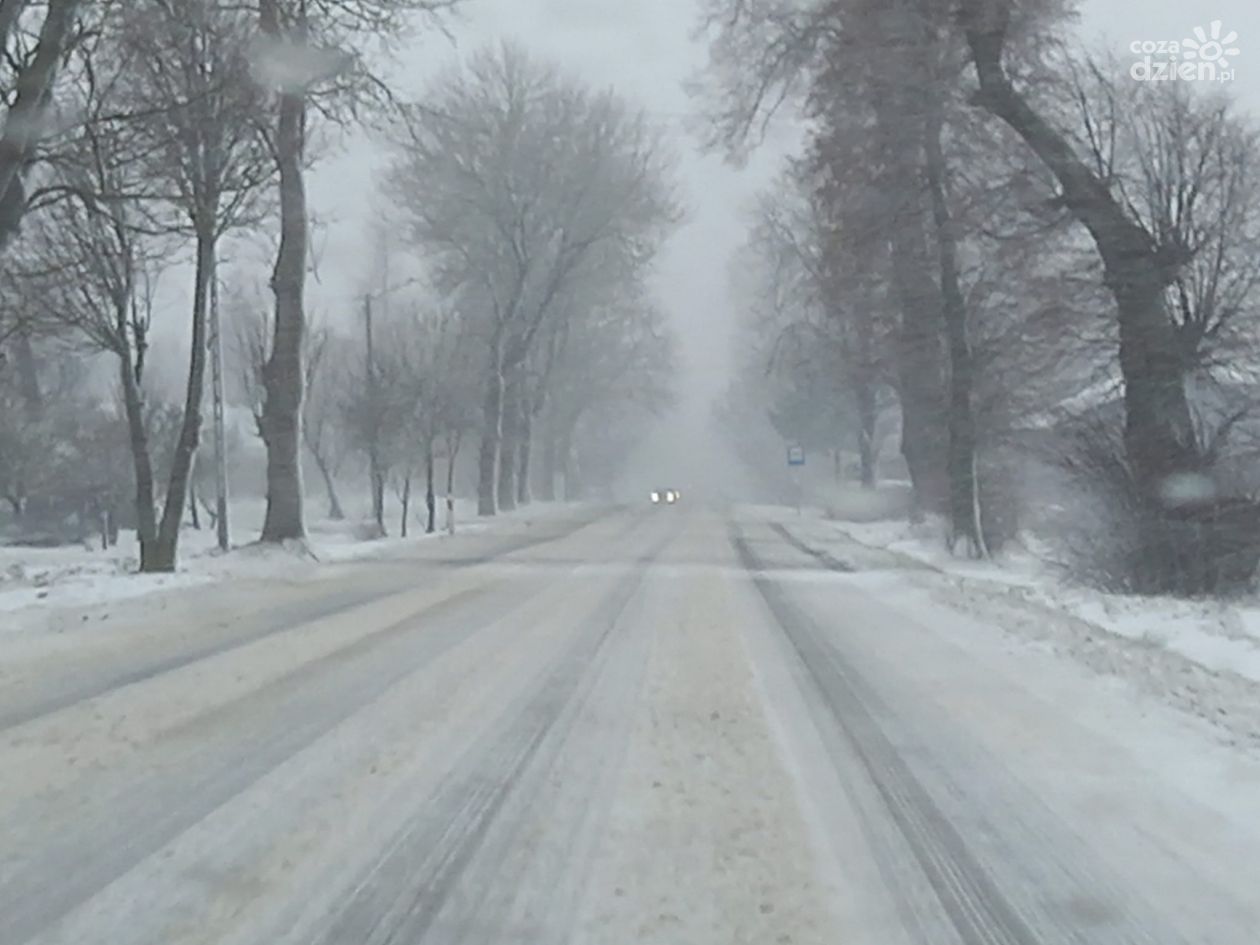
[1158, 435]
[142, 463]
[430, 495]
[523, 448]
[283, 375]
[509, 442]
[31, 94]
[376, 468]
[865, 396]
[406, 504]
[897, 91]
[452, 451]
[377, 477]
[491, 430]
[920, 382]
[964, 490]
[194, 517]
[547, 463]
[109, 535]
[867, 419]
[920, 387]
[166, 545]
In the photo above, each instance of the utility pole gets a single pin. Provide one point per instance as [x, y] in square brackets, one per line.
[220, 437]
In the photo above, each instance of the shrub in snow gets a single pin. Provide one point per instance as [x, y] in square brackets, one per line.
[1195, 535]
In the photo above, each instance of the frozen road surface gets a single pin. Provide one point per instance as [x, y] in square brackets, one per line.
[673, 725]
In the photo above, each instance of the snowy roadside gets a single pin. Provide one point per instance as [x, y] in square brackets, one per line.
[1219, 636]
[80, 576]
[1200, 656]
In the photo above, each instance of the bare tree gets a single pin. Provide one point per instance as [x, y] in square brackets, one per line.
[190, 59]
[536, 388]
[377, 404]
[310, 58]
[92, 260]
[1139, 264]
[28, 87]
[1186, 166]
[518, 182]
[1144, 257]
[882, 83]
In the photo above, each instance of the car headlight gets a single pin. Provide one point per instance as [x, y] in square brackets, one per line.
[671, 496]
[656, 497]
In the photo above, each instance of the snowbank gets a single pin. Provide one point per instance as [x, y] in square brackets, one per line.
[1222, 637]
[845, 502]
[75, 576]
[1202, 657]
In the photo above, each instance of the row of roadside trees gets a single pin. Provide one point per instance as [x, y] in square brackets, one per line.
[143, 138]
[1017, 245]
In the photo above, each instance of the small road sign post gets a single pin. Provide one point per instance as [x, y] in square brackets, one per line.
[796, 461]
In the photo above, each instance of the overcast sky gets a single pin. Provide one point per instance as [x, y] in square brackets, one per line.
[644, 48]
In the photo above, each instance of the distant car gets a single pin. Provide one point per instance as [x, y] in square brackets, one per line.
[665, 496]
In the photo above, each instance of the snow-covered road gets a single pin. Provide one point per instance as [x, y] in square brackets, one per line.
[676, 725]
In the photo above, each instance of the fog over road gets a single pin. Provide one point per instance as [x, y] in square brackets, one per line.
[667, 725]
